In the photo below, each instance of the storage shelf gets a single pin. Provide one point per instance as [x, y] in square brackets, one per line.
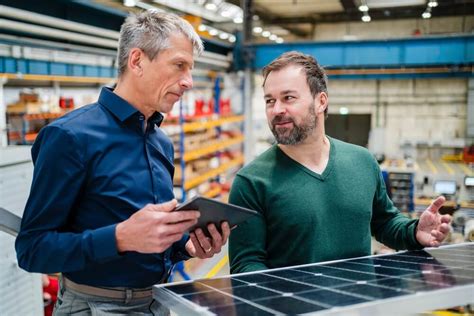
[57, 78]
[193, 182]
[401, 189]
[194, 154]
[39, 116]
[213, 192]
[195, 126]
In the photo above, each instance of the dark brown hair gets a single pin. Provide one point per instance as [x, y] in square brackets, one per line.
[315, 75]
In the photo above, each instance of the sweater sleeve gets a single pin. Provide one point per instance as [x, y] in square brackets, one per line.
[388, 225]
[247, 242]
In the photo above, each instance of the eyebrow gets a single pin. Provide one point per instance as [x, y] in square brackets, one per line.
[183, 60]
[284, 92]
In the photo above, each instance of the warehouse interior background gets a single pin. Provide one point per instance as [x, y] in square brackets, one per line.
[400, 83]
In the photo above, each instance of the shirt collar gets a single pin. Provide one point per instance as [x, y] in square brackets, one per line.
[122, 109]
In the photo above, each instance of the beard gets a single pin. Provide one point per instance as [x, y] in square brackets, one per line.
[296, 134]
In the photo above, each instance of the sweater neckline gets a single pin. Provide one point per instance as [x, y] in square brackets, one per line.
[326, 172]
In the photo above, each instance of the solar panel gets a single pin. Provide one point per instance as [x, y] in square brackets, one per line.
[402, 283]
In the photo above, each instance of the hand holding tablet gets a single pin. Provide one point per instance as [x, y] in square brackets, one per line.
[216, 212]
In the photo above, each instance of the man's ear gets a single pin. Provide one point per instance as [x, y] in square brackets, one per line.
[135, 60]
[323, 102]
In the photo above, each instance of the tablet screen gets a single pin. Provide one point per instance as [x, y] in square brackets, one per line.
[213, 211]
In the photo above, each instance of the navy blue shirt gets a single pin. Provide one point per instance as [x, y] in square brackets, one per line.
[94, 168]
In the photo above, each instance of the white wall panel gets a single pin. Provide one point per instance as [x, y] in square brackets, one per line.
[20, 292]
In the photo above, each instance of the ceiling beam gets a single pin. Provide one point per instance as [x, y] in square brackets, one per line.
[266, 16]
[348, 5]
[377, 14]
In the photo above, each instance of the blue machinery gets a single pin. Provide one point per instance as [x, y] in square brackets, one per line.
[434, 56]
[437, 56]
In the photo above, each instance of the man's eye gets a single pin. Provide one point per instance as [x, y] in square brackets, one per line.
[289, 98]
[269, 101]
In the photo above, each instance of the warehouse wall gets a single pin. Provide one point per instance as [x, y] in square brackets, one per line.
[411, 112]
[393, 28]
[20, 292]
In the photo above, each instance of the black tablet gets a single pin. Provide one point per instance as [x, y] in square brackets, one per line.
[216, 212]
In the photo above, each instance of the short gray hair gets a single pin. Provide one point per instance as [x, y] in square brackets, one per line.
[150, 31]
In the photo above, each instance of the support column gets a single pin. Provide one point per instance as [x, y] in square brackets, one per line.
[3, 113]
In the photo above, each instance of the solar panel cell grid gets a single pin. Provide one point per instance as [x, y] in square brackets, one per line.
[359, 285]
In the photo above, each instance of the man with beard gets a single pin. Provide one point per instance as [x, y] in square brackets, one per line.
[320, 198]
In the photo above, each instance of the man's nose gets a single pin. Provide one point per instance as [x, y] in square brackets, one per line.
[278, 108]
[186, 82]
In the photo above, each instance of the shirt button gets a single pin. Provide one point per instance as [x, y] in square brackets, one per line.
[141, 117]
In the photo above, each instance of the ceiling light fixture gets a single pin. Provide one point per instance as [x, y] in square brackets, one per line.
[213, 32]
[211, 6]
[343, 110]
[226, 13]
[279, 40]
[257, 29]
[266, 34]
[426, 14]
[129, 3]
[432, 3]
[273, 37]
[238, 20]
[366, 18]
[363, 8]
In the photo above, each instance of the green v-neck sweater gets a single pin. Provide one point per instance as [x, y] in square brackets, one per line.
[308, 217]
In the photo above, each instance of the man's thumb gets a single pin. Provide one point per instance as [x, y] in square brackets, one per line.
[165, 207]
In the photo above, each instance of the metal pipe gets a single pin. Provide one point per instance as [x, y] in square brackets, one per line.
[56, 22]
[249, 143]
[54, 33]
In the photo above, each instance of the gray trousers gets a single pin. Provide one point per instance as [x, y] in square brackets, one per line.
[71, 302]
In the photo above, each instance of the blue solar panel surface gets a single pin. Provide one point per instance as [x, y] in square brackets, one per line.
[334, 286]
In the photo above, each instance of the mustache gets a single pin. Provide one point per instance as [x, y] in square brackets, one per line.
[281, 118]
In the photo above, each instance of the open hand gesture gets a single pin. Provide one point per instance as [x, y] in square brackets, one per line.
[433, 227]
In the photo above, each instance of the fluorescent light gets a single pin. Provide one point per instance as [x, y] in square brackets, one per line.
[226, 13]
[257, 29]
[426, 14]
[232, 38]
[266, 33]
[279, 40]
[202, 28]
[379, 4]
[213, 32]
[366, 18]
[223, 36]
[129, 3]
[273, 37]
[363, 8]
[211, 6]
[238, 20]
[433, 4]
[343, 111]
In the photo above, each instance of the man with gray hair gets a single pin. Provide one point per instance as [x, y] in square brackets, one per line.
[101, 201]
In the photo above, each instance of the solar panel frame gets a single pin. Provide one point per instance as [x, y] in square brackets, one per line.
[430, 296]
